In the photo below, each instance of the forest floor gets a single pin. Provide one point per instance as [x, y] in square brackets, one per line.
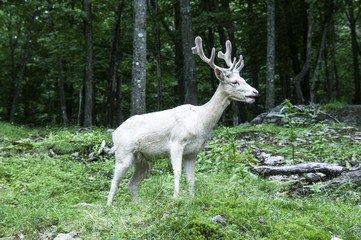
[56, 180]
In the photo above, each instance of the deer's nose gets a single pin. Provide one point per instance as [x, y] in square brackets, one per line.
[255, 92]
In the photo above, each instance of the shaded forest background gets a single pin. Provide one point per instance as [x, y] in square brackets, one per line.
[72, 62]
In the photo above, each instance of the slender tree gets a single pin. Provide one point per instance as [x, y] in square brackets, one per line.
[356, 69]
[89, 66]
[189, 73]
[16, 93]
[110, 91]
[270, 88]
[153, 10]
[306, 66]
[139, 58]
[316, 74]
[334, 74]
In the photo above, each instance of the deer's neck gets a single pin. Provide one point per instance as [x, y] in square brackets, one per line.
[212, 111]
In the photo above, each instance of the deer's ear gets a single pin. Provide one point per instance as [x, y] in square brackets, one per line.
[219, 74]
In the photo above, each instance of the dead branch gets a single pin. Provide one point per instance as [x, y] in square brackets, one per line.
[326, 168]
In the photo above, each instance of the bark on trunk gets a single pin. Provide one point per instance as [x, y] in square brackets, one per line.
[189, 73]
[89, 68]
[356, 68]
[62, 92]
[153, 10]
[139, 58]
[334, 73]
[270, 88]
[178, 59]
[108, 101]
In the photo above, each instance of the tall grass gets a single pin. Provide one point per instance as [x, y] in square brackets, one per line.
[39, 196]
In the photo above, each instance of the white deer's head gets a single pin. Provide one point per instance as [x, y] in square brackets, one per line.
[233, 84]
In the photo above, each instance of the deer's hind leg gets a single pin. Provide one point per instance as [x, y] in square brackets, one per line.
[122, 164]
[141, 167]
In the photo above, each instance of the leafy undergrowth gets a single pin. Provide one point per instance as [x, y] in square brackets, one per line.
[40, 190]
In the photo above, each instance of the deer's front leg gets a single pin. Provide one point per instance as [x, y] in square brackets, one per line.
[189, 165]
[176, 159]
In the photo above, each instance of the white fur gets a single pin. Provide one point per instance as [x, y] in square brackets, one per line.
[179, 133]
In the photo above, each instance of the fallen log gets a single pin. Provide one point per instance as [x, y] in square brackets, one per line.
[352, 178]
[326, 168]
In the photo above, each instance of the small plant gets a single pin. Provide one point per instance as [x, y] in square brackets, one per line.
[291, 114]
[223, 154]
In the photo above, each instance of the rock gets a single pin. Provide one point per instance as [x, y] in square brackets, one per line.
[349, 114]
[284, 178]
[219, 219]
[67, 236]
[314, 177]
[259, 118]
[246, 124]
[265, 155]
[274, 160]
[5, 139]
[270, 160]
[51, 153]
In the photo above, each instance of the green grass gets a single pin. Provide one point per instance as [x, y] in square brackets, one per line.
[39, 193]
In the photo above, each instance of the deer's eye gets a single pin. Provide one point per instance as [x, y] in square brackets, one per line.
[235, 83]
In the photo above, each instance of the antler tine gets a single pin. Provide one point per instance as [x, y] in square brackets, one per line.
[227, 56]
[198, 49]
[240, 63]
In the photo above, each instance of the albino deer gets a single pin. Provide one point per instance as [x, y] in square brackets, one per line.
[180, 132]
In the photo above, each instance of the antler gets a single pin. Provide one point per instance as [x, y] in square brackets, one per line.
[198, 49]
[227, 58]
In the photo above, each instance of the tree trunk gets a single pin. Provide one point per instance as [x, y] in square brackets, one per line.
[16, 93]
[61, 86]
[118, 117]
[356, 68]
[13, 43]
[252, 62]
[153, 10]
[334, 74]
[108, 101]
[306, 66]
[62, 92]
[329, 81]
[316, 73]
[139, 58]
[178, 60]
[89, 68]
[80, 106]
[270, 88]
[189, 72]
[175, 35]
[222, 35]
[60, 82]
